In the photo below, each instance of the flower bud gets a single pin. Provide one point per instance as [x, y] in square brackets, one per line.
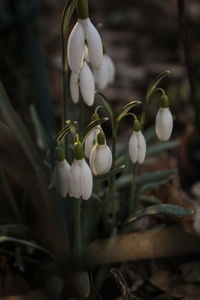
[101, 156]
[137, 146]
[61, 173]
[164, 124]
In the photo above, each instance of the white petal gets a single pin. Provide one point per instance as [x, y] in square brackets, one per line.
[101, 75]
[86, 54]
[95, 48]
[87, 84]
[89, 143]
[111, 68]
[100, 159]
[141, 147]
[133, 148]
[164, 124]
[61, 177]
[75, 48]
[75, 179]
[74, 88]
[86, 181]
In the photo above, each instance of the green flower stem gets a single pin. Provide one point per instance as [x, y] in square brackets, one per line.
[67, 13]
[112, 180]
[77, 228]
[81, 113]
[132, 199]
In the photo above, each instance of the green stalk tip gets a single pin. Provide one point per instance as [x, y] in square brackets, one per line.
[136, 126]
[101, 138]
[60, 154]
[82, 9]
[164, 101]
[78, 151]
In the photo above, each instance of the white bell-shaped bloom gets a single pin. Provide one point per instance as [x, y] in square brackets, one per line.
[111, 68]
[87, 85]
[105, 74]
[74, 87]
[61, 177]
[91, 141]
[137, 147]
[164, 124]
[100, 156]
[75, 47]
[80, 178]
[100, 159]
[95, 48]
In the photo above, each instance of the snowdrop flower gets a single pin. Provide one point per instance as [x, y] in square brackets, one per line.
[101, 156]
[92, 137]
[80, 176]
[61, 173]
[74, 87]
[83, 31]
[87, 85]
[164, 120]
[137, 145]
[105, 74]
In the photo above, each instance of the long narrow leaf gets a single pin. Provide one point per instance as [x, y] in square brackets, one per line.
[90, 127]
[109, 174]
[17, 127]
[126, 109]
[155, 82]
[166, 209]
[160, 147]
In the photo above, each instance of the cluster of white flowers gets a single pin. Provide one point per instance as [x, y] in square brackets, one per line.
[77, 180]
[85, 46]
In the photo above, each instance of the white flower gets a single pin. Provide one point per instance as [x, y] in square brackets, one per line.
[137, 147]
[95, 48]
[84, 30]
[164, 123]
[100, 159]
[75, 47]
[87, 85]
[105, 74]
[74, 87]
[80, 178]
[91, 141]
[61, 177]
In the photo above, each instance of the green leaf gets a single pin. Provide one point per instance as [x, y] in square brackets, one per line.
[109, 174]
[19, 130]
[8, 239]
[145, 178]
[149, 199]
[88, 129]
[166, 209]
[39, 127]
[149, 134]
[126, 109]
[63, 132]
[154, 83]
[151, 185]
[108, 107]
[160, 147]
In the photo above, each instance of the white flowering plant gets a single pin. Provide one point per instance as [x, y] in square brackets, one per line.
[88, 182]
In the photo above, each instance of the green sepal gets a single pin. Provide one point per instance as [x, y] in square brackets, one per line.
[60, 154]
[137, 126]
[78, 151]
[164, 101]
[94, 117]
[101, 138]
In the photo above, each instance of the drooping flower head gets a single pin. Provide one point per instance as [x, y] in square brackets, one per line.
[164, 120]
[81, 181]
[61, 173]
[101, 156]
[92, 137]
[83, 31]
[137, 144]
